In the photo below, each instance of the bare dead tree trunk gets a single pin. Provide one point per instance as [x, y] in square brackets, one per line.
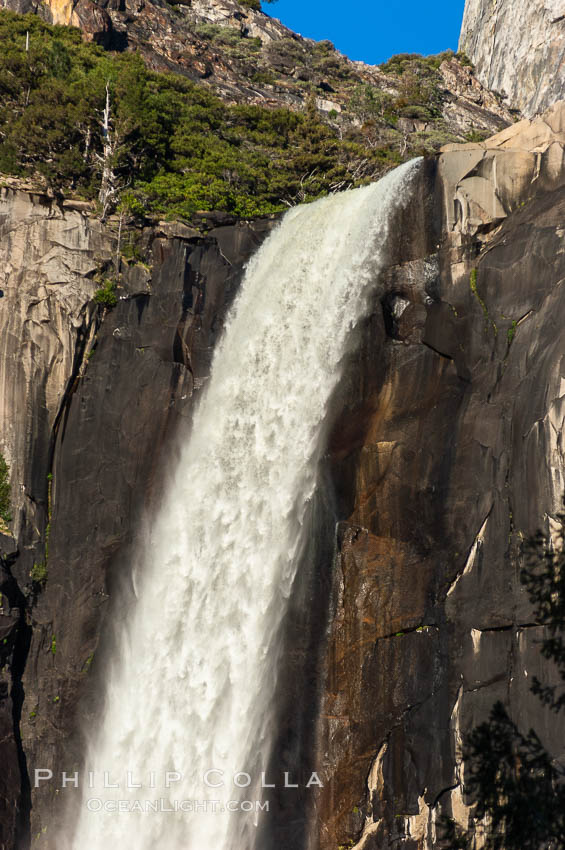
[119, 248]
[108, 186]
[87, 142]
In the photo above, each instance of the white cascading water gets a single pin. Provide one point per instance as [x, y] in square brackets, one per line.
[190, 687]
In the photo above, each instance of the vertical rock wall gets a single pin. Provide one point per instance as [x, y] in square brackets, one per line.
[518, 49]
[48, 256]
[447, 453]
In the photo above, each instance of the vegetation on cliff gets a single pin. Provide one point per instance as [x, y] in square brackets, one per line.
[175, 147]
[254, 4]
[4, 491]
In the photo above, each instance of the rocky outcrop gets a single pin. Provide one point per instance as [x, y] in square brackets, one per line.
[49, 255]
[483, 184]
[246, 56]
[470, 105]
[518, 49]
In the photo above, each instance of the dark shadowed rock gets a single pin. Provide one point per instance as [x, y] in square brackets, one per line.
[94, 21]
[456, 458]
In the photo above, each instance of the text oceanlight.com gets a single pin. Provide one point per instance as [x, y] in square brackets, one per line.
[96, 804]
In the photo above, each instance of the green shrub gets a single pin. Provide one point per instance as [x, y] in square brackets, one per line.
[289, 47]
[419, 113]
[477, 135]
[106, 295]
[464, 60]
[254, 4]
[432, 139]
[131, 206]
[369, 102]
[420, 90]
[131, 250]
[403, 62]
[39, 573]
[264, 77]
[216, 33]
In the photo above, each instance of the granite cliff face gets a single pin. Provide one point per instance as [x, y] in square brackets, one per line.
[518, 49]
[47, 254]
[446, 451]
[408, 620]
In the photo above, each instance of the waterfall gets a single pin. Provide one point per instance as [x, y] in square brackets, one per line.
[190, 685]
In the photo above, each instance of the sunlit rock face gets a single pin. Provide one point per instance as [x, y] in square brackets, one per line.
[518, 49]
[483, 183]
[447, 453]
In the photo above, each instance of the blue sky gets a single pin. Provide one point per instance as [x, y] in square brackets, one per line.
[374, 30]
